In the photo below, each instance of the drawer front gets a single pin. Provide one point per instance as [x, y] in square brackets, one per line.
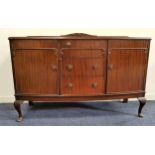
[83, 44]
[82, 53]
[82, 86]
[33, 44]
[83, 67]
[83, 72]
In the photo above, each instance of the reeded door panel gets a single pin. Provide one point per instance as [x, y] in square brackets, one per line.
[36, 71]
[126, 70]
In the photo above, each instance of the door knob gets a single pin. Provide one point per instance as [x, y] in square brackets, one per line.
[54, 67]
[110, 66]
[69, 66]
[94, 66]
[70, 85]
[94, 85]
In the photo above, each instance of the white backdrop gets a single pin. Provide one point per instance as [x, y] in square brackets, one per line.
[89, 16]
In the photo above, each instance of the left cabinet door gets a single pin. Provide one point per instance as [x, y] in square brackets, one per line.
[36, 71]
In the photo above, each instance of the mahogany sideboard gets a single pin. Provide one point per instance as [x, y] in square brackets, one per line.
[79, 67]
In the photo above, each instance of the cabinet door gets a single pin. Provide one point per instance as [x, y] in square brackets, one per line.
[35, 71]
[126, 70]
[83, 72]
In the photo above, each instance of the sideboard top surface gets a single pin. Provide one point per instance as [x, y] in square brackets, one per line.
[80, 36]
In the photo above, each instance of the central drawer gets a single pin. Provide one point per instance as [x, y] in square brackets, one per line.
[83, 67]
[82, 72]
[83, 44]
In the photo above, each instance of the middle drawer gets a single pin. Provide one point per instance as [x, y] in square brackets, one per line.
[83, 67]
[83, 62]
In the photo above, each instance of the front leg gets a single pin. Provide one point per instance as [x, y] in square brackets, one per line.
[142, 102]
[17, 104]
[31, 103]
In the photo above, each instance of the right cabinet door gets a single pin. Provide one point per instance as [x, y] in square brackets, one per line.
[127, 64]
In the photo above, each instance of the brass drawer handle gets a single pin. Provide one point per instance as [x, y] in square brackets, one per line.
[54, 67]
[94, 85]
[94, 67]
[70, 85]
[68, 43]
[69, 66]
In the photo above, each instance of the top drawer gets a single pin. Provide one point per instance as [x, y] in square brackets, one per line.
[33, 44]
[84, 44]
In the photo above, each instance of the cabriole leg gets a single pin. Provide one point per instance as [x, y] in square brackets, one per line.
[30, 103]
[142, 102]
[17, 105]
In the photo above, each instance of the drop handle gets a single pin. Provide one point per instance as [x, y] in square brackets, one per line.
[110, 66]
[54, 67]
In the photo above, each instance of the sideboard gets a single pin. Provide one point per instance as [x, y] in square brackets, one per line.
[79, 67]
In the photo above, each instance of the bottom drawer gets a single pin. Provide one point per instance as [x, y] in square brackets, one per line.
[82, 86]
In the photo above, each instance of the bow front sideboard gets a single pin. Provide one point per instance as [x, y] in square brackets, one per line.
[79, 67]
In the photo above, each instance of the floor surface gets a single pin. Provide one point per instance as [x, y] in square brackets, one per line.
[79, 114]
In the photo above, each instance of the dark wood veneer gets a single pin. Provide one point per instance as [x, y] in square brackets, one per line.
[79, 67]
